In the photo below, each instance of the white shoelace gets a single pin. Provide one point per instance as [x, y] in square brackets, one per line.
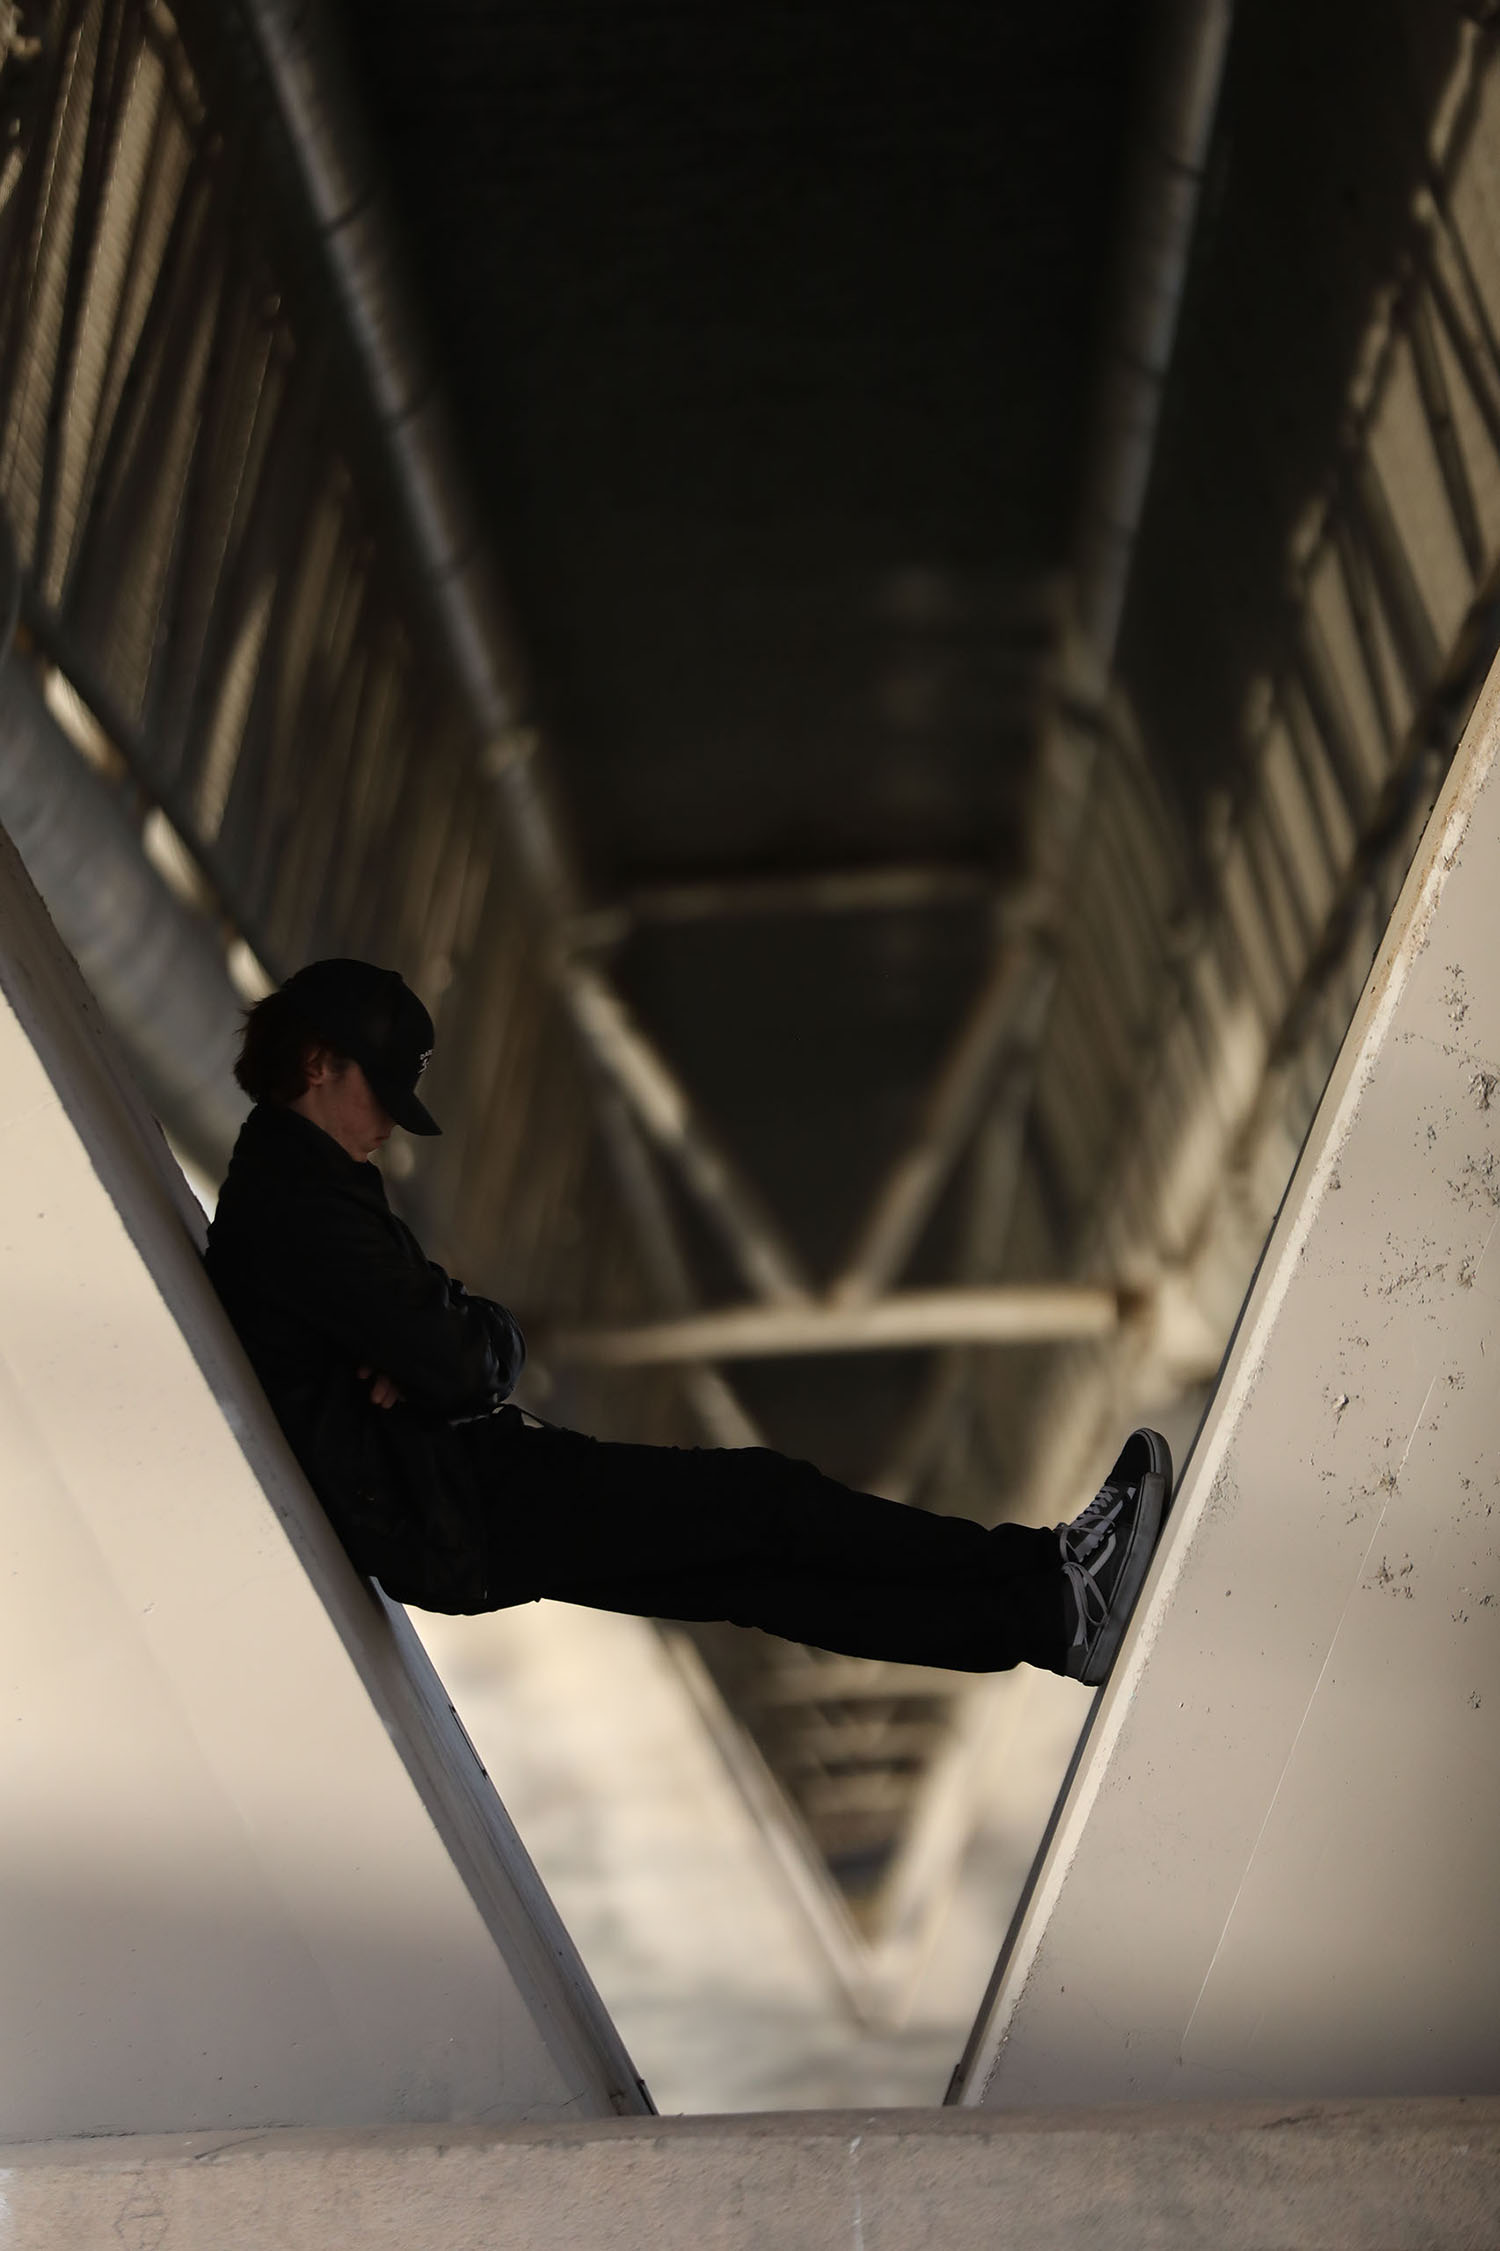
[1093, 1527]
[1087, 1545]
[1091, 1606]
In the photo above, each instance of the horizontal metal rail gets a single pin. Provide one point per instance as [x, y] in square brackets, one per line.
[1021, 1313]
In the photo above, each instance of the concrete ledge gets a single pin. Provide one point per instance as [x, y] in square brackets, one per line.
[1243, 2177]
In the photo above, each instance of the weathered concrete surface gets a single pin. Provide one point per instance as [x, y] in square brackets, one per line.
[1275, 1872]
[1174, 2178]
[250, 1869]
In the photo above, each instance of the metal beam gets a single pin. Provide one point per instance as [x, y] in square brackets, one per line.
[656, 1096]
[1010, 1007]
[1171, 155]
[157, 966]
[340, 176]
[781, 1825]
[817, 1743]
[1192, 38]
[822, 891]
[996, 1172]
[1192, 41]
[723, 1420]
[1024, 1313]
[850, 1680]
[904, 1203]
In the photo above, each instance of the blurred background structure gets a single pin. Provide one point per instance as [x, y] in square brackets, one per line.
[870, 603]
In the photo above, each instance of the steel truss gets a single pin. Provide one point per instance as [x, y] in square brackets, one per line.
[253, 589]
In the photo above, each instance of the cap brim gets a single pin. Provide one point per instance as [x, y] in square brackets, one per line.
[406, 1109]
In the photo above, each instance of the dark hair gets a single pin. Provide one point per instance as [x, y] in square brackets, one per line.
[275, 1048]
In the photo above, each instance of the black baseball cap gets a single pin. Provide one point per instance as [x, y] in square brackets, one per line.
[373, 1016]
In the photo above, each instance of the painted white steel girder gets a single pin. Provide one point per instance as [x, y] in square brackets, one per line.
[1274, 1871]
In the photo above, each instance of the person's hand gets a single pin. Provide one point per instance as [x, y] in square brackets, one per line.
[383, 1393]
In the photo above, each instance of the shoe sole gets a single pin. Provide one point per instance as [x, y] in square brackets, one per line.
[1150, 1515]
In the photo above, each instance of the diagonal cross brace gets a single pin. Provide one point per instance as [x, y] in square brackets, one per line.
[1008, 1011]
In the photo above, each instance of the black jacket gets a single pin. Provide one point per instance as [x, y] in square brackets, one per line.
[320, 1279]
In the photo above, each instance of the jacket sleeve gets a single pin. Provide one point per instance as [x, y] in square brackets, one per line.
[504, 1330]
[364, 1280]
[506, 1339]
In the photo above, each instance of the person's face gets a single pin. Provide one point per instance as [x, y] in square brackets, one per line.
[340, 1099]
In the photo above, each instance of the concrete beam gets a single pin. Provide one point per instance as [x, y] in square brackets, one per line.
[1274, 1871]
[1365, 2176]
[250, 1867]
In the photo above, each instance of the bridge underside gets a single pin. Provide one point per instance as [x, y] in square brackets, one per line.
[834, 594]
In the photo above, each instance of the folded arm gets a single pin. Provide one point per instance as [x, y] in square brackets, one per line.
[365, 1282]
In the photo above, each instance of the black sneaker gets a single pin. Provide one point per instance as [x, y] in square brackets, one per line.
[1105, 1552]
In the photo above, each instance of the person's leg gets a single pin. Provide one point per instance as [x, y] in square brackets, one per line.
[564, 1502]
[753, 1537]
[973, 1624]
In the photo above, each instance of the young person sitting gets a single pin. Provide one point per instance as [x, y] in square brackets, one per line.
[390, 1380]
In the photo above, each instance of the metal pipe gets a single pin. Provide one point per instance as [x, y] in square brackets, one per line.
[304, 66]
[1025, 1313]
[1192, 42]
[1192, 39]
[156, 968]
[340, 176]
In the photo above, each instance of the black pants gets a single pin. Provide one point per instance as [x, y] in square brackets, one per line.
[752, 1537]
